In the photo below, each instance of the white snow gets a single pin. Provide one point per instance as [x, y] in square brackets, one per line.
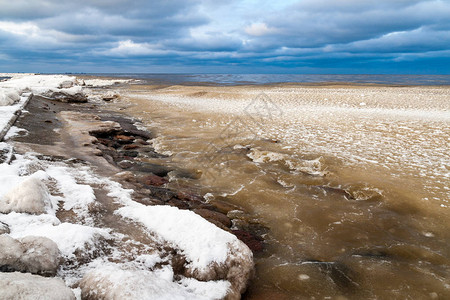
[201, 242]
[69, 237]
[15, 131]
[104, 82]
[210, 289]
[77, 196]
[30, 196]
[113, 282]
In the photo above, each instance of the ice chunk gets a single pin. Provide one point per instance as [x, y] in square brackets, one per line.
[41, 255]
[26, 286]
[10, 251]
[30, 196]
[8, 96]
[31, 254]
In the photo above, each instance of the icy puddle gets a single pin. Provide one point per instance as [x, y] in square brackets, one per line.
[352, 183]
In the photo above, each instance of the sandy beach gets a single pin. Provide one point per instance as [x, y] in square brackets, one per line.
[331, 190]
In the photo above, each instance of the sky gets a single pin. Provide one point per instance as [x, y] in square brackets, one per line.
[217, 36]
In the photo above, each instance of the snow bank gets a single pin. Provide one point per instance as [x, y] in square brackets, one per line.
[201, 247]
[72, 239]
[29, 194]
[113, 282]
[104, 82]
[211, 253]
[37, 82]
[27, 286]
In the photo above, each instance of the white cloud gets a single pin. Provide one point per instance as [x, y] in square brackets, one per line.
[26, 29]
[35, 35]
[259, 29]
[130, 48]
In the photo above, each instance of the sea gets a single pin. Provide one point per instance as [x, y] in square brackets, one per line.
[345, 177]
[255, 79]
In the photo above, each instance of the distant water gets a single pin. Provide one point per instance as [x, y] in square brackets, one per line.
[245, 79]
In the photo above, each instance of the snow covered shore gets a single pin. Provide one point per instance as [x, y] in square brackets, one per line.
[51, 225]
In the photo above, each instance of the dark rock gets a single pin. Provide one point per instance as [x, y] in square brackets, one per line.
[254, 242]
[139, 133]
[110, 151]
[189, 196]
[123, 139]
[130, 147]
[153, 180]
[4, 228]
[213, 215]
[151, 168]
[125, 164]
[162, 193]
[178, 203]
[128, 153]
[68, 98]
[193, 204]
[151, 153]
[106, 142]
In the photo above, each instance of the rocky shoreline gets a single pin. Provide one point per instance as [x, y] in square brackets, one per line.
[107, 155]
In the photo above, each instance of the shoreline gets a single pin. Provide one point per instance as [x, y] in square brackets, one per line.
[88, 136]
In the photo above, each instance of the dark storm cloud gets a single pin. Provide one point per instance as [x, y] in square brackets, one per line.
[234, 35]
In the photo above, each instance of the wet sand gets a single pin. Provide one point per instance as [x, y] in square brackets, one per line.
[350, 183]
